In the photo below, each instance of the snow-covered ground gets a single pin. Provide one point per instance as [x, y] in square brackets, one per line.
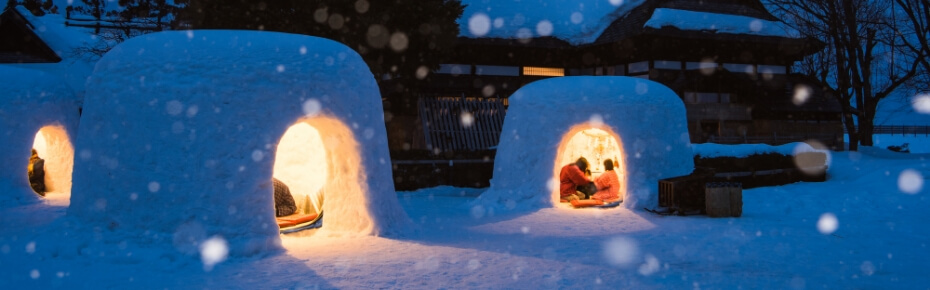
[864, 228]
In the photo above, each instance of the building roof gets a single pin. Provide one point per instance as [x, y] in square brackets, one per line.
[577, 25]
[19, 42]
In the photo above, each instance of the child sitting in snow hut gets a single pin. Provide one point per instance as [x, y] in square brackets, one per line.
[608, 184]
[284, 204]
[573, 185]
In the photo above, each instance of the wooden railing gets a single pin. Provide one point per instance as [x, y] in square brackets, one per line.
[458, 123]
[900, 130]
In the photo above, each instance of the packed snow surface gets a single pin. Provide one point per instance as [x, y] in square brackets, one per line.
[577, 22]
[863, 228]
[719, 23]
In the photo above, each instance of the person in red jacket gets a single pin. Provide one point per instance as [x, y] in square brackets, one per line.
[608, 184]
[573, 185]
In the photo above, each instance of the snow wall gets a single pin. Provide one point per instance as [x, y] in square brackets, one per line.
[648, 119]
[180, 132]
[32, 101]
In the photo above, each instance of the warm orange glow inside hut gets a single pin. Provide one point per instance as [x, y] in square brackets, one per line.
[54, 147]
[315, 156]
[594, 143]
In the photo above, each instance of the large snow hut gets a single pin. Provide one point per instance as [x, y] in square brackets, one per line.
[552, 122]
[39, 113]
[185, 130]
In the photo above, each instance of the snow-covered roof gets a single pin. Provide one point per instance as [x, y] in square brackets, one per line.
[577, 22]
[588, 21]
[64, 41]
[718, 23]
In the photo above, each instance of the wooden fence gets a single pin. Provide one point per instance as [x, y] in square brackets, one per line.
[902, 130]
[458, 123]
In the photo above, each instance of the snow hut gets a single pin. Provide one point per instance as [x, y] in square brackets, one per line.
[638, 123]
[40, 112]
[185, 130]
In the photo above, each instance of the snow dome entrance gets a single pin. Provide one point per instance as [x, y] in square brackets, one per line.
[54, 149]
[594, 144]
[302, 164]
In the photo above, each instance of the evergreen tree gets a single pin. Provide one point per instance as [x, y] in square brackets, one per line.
[154, 11]
[395, 37]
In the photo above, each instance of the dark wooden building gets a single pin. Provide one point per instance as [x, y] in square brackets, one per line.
[736, 82]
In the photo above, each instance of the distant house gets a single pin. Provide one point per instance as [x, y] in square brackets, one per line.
[19, 42]
[45, 43]
[729, 61]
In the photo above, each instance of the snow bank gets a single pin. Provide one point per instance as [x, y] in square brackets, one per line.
[719, 23]
[32, 100]
[577, 22]
[181, 131]
[646, 118]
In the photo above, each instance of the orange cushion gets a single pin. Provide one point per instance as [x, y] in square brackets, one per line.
[284, 224]
[563, 201]
[298, 218]
[586, 203]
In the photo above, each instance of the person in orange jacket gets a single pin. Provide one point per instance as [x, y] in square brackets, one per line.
[608, 184]
[573, 185]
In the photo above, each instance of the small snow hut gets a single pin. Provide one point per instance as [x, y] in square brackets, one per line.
[550, 123]
[196, 123]
[37, 112]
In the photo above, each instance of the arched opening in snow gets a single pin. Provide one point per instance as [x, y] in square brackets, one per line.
[316, 156]
[53, 146]
[596, 144]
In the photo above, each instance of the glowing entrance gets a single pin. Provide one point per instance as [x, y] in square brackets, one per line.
[596, 144]
[54, 148]
[318, 159]
[301, 164]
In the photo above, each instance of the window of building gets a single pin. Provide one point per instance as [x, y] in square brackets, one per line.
[497, 70]
[638, 67]
[543, 71]
[740, 68]
[455, 69]
[581, 72]
[773, 69]
[707, 98]
[700, 65]
[667, 64]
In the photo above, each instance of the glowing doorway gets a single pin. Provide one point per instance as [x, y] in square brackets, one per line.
[301, 164]
[596, 144]
[54, 147]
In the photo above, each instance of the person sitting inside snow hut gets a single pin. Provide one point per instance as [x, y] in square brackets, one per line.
[608, 184]
[573, 185]
[284, 204]
[36, 171]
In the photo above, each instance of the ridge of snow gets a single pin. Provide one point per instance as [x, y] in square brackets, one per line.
[718, 23]
[577, 22]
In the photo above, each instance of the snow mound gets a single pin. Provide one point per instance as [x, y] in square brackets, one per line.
[645, 118]
[31, 100]
[180, 133]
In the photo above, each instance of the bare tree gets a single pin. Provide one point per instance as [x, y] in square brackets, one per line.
[862, 63]
[913, 31]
